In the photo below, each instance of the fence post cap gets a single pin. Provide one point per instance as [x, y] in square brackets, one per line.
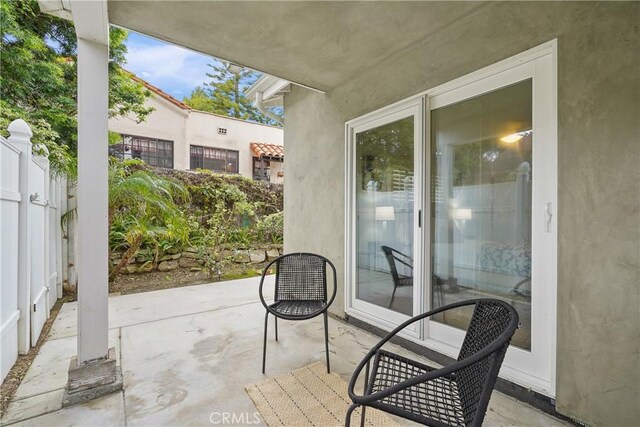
[20, 128]
[41, 150]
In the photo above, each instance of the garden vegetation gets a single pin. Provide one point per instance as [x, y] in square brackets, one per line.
[154, 212]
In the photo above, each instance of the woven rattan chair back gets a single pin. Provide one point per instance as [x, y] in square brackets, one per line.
[457, 394]
[301, 277]
[300, 292]
[489, 321]
[394, 257]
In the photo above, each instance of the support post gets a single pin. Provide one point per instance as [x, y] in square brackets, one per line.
[94, 371]
[20, 137]
[93, 190]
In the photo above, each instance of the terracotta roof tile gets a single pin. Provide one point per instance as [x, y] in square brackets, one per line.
[159, 92]
[267, 150]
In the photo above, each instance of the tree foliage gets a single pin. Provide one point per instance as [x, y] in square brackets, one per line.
[61, 160]
[38, 82]
[225, 94]
[200, 100]
[383, 151]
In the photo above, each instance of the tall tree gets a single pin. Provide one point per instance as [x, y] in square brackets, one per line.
[199, 100]
[225, 94]
[38, 82]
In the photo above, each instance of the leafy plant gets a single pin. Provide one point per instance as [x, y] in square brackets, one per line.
[143, 209]
[271, 228]
[217, 214]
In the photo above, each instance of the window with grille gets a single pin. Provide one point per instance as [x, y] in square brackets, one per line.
[215, 159]
[153, 151]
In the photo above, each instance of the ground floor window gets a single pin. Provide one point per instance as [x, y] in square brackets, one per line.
[153, 151]
[215, 159]
[261, 169]
[268, 169]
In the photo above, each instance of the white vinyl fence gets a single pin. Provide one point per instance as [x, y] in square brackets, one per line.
[32, 265]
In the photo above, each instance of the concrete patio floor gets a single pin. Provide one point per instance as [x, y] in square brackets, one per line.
[189, 352]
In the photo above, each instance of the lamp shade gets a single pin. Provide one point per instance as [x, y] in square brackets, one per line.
[385, 213]
[462, 214]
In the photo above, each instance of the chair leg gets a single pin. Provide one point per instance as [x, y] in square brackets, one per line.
[440, 299]
[364, 391]
[276, 320]
[264, 344]
[352, 407]
[393, 295]
[326, 340]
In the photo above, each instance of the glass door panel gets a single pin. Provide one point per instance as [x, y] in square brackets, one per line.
[384, 209]
[481, 182]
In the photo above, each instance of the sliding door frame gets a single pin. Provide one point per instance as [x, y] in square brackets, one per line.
[541, 61]
[383, 317]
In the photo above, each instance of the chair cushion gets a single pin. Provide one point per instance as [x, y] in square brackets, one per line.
[295, 308]
[436, 400]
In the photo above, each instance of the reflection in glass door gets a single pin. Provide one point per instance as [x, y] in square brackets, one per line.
[384, 208]
[481, 181]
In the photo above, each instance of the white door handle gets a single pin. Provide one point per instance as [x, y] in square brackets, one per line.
[548, 216]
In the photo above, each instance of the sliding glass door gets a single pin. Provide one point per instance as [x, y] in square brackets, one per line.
[451, 195]
[384, 210]
[492, 166]
[481, 170]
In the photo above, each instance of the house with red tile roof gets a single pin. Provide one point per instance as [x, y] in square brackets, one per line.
[176, 136]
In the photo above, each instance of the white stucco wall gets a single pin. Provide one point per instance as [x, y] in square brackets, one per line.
[167, 121]
[189, 127]
[202, 129]
[275, 168]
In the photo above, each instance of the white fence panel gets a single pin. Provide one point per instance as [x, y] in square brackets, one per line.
[39, 186]
[31, 250]
[9, 216]
[54, 242]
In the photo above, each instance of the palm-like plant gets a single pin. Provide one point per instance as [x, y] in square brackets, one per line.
[143, 209]
[141, 190]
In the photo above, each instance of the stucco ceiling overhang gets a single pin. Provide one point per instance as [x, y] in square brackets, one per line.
[315, 44]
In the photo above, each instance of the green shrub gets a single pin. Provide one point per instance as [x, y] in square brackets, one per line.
[270, 229]
[144, 212]
[155, 211]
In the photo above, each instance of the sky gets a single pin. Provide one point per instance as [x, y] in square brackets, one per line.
[175, 70]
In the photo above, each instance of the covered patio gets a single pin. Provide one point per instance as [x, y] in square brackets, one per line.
[347, 61]
[188, 353]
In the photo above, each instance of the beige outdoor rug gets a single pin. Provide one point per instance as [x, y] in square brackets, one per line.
[308, 397]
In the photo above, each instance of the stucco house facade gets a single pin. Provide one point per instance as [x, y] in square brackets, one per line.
[584, 225]
[495, 143]
[178, 137]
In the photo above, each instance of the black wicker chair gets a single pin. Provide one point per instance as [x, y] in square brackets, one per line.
[300, 292]
[395, 258]
[457, 394]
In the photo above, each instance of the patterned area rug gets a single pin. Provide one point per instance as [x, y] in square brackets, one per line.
[308, 397]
